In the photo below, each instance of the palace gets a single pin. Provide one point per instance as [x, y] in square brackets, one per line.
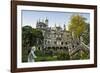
[55, 37]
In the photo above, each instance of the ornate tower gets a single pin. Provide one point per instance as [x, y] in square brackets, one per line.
[64, 27]
[38, 24]
[46, 21]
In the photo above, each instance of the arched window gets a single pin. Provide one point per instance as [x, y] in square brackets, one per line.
[48, 42]
[66, 43]
[61, 43]
[55, 42]
[73, 46]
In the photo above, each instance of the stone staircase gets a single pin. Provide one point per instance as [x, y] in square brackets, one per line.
[80, 47]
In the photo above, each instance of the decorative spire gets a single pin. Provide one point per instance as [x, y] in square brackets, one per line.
[64, 27]
[46, 21]
[37, 22]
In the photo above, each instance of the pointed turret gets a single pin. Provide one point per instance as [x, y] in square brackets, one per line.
[37, 24]
[46, 21]
[64, 27]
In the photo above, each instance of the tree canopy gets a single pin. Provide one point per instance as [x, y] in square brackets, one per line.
[30, 37]
[77, 25]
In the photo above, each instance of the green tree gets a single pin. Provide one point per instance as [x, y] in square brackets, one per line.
[30, 37]
[37, 36]
[26, 42]
[62, 55]
[27, 36]
[79, 28]
[77, 25]
[86, 35]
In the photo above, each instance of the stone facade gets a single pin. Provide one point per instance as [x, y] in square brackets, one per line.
[59, 39]
[54, 37]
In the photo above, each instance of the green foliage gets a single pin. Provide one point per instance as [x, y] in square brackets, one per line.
[30, 37]
[26, 41]
[85, 55]
[60, 55]
[45, 58]
[77, 25]
[63, 56]
[77, 56]
[37, 37]
[24, 54]
[81, 55]
[26, 36]
[86, 35]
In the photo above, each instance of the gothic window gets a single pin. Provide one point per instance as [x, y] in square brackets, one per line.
[61, 43]
[68, 35]
[55, 42]
[73, 46]
[48, 42]
[66, 43]
[77, 43]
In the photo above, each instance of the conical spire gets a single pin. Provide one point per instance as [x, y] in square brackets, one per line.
[64, 27]
[46, 21]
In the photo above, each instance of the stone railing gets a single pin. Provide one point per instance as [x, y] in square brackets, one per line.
[82, 46]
